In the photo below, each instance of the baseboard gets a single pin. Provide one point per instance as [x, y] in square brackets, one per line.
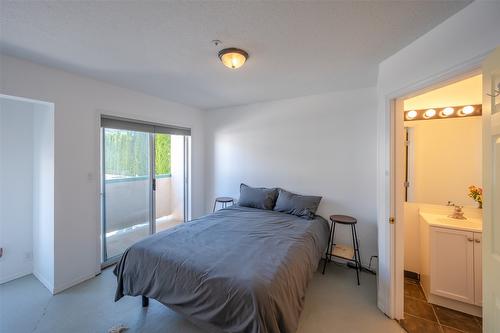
[352, 265]
[15, 276]
[471, 309]
[44, 281]
[74, 282]
[412, 275]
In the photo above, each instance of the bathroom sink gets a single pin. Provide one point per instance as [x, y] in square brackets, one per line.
[471, 224]
[452, 220]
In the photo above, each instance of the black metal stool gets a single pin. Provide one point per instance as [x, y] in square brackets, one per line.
[224, 201]
[346, 220]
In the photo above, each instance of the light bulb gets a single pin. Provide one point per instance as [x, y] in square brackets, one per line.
[447, 112]
[429, 113]
[411, 114]
[468, 109]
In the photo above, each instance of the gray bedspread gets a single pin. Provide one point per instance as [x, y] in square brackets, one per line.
[238, 270]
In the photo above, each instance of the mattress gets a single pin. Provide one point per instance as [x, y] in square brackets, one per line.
[237, 270]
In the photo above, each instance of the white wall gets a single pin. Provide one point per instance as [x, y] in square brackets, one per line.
[78, 101]
[177, 171]
[457, 44]
[318, 145]
[463, 92]
[412, 236]
[454, 42]
[43, 194]
[16, 178]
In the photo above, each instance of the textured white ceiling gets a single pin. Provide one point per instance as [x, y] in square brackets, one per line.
[164, 48]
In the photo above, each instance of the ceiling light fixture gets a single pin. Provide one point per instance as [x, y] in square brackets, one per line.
[232, 57]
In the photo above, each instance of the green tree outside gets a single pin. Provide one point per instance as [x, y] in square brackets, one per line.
[127, 153]
[163, 158]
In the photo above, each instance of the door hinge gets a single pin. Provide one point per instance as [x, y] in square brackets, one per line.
[406, 184]
[392, 220]
[154, 184]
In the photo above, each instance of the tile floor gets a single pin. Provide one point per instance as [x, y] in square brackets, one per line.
[423, 317]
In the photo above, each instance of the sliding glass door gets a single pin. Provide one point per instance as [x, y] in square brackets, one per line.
[170, 187]
[144, 182]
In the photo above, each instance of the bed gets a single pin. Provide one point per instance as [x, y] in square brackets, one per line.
[240, 269]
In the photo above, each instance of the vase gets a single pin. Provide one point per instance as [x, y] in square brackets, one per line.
[480, 205]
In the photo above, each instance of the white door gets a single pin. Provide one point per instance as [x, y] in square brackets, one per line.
[452, 264]
[491, 184]
[478, 269]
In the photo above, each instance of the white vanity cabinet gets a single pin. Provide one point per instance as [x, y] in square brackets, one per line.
[451, 264]
[452, 260]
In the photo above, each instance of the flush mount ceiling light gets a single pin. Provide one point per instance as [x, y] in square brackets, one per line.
[232, 57]
[444, 113]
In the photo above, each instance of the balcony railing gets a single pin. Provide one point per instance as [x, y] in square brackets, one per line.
[127, 200]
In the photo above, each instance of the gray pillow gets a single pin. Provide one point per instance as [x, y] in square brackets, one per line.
[301, 205]
[262, 198]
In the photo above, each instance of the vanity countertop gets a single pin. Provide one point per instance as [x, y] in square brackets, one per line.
[443, 221]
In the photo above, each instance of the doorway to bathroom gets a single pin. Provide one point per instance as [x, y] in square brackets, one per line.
[391, 172]
[438, 159]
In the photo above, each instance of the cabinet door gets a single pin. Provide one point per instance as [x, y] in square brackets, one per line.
[452, 264]
[478, 268]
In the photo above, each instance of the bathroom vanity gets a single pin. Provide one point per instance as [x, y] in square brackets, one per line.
[451, 262]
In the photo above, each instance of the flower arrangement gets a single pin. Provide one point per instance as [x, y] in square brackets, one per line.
[476, 193]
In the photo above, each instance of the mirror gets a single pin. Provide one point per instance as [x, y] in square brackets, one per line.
[443, 158]
[444, 143]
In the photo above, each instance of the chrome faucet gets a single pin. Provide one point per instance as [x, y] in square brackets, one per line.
[457, 211]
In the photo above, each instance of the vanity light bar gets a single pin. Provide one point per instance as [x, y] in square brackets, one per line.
[443, 113]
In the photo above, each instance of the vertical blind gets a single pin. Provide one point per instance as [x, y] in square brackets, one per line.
[142, 126]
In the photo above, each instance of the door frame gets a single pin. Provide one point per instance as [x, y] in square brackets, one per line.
[102, 196]
[98, 169]
[390, 280]
[490, 253]
[152, 183]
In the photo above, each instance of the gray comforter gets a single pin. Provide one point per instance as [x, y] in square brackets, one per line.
[238, 270]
